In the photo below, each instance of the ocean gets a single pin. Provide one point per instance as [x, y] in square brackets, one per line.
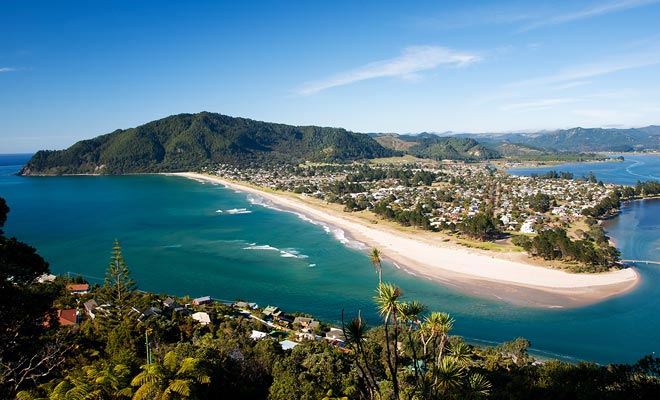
[185, 237]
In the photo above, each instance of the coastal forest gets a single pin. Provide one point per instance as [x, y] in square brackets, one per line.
[62, 338]
[188, 141]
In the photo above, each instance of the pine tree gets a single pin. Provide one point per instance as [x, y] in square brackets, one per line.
[119, 290]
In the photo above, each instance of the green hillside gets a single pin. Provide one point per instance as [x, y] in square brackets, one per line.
[189, 141]
[428, 145]
[449, 148]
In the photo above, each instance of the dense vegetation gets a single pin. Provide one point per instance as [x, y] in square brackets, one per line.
[593, 251]
[133, 350]
[190, 141]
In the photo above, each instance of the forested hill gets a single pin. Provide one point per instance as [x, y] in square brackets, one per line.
[189, 141]
[437, 148]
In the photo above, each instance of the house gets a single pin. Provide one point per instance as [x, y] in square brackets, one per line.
[46, 278]
[256, 335]
[306, 323]
[68, 317]
[307, 336]
[148, 313]
[202, 317]
[202, 300]
[272, 311]
[182, 310]
[170, 303]
[288, 344]
[335, 334]
[91, 308]
[243, 304]
[527, 227]
[303, 321]
[80, 288]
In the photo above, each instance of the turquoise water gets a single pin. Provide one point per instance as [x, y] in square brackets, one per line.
[175, 241]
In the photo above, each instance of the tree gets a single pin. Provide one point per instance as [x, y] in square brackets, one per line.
[118, 291]
[540, 202]
[439, 324]
[376, 261]
[356, 334]
[516, 350]
[482, 226]
[388, 303]
[448, 375]
[24, 306]
[310, 372]
[175, 378]
[409, 314]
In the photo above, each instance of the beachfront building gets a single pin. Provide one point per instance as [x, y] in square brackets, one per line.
[202, 300]
[82, 288]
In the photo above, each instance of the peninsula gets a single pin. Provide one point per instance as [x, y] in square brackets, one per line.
[440, 207]
[504, 276]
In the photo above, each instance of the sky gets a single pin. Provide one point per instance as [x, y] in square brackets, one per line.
[72, 70]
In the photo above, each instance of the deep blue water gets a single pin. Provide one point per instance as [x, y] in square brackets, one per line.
[627, 172]
[175, 241]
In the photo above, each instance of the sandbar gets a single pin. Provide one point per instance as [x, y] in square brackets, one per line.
[481, 273]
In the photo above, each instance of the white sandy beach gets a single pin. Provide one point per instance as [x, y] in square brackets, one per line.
[486, 274]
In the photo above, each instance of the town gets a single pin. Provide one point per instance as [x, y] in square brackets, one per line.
[468, 203]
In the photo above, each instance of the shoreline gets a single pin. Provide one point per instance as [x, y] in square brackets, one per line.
[489, 275]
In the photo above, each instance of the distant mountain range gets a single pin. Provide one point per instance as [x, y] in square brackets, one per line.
[190, 141]
[573, 140]
[580, 139]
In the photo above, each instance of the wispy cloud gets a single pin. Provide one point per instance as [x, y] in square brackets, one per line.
[499, 14]
[7, 69]
[408, 65]
[586, 71]
[538, 104]
[594, 11]
[570, 85]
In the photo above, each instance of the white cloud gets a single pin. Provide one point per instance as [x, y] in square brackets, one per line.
[596, 10]
[537, 104]
[406, 66]
[7, 69]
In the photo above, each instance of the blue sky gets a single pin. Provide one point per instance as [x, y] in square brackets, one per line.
[75, 70]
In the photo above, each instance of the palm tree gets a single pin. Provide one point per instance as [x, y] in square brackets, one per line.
[355, 333]
[462, 353]
[448, 375]
[388, 307]
[437, 325]
[377, 262]
[409, 314]
[478, 386]
[175, 378]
